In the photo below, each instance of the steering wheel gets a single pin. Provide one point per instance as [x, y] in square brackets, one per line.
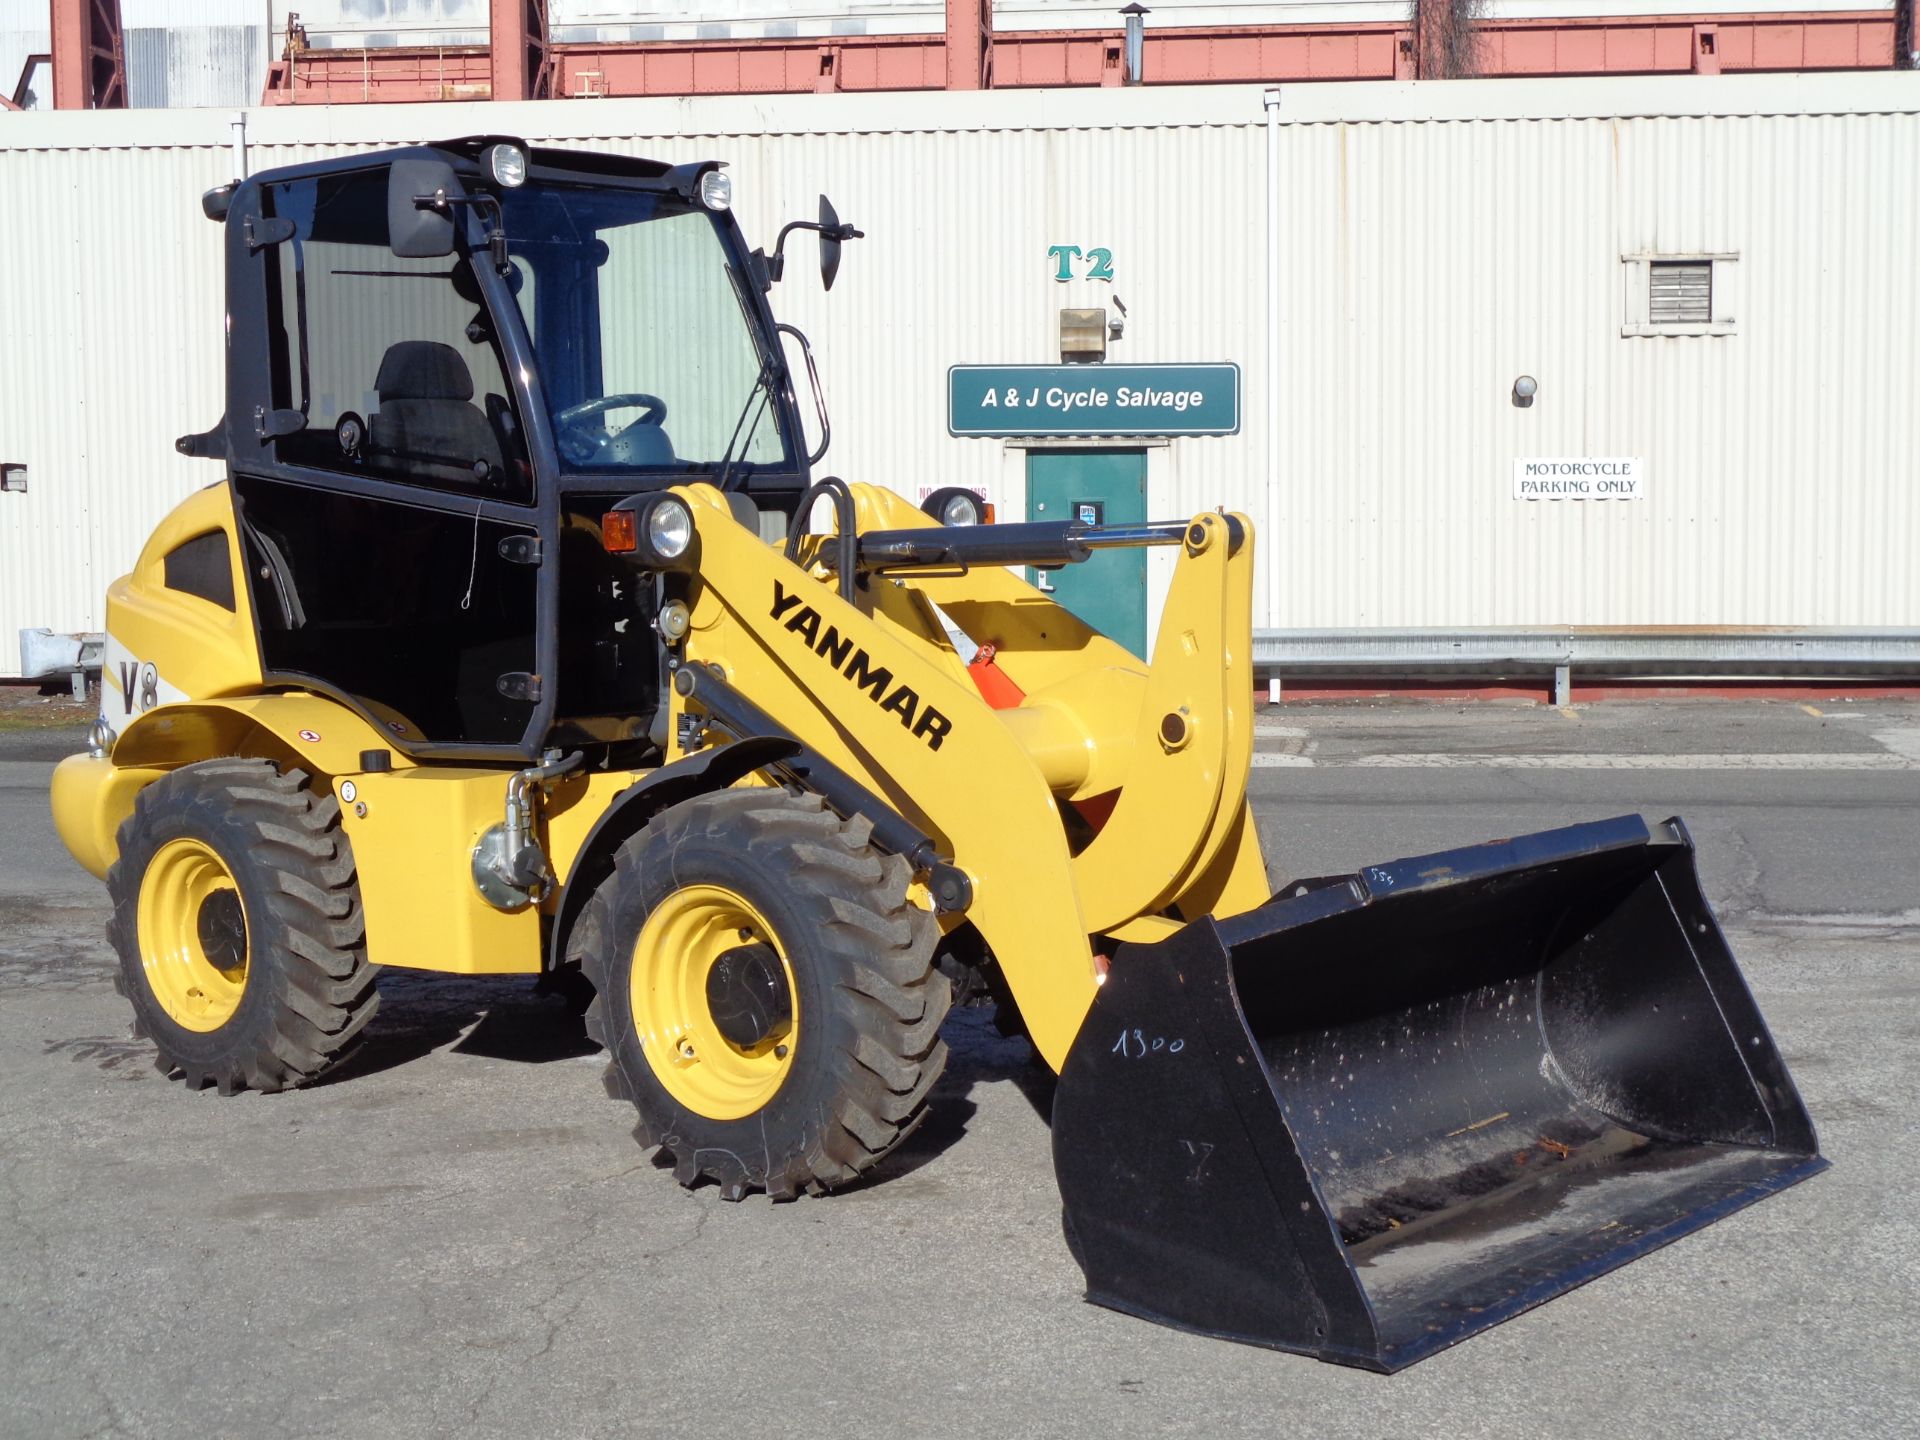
[583, 445]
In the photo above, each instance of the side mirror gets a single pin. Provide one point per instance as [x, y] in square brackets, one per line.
[832, 232]
[829, 243]
[417, 231]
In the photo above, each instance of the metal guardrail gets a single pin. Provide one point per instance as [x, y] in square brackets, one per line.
[1652, 652]
[1639, 653]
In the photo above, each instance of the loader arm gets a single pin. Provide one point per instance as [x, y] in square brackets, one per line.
[1169, 749]
[873, 688]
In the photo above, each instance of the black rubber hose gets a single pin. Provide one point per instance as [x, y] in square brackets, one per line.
[848, 542]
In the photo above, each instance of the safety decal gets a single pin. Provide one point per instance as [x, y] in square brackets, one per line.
[310, 736]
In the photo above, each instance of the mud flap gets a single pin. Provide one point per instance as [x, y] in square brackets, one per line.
[1385, 1111]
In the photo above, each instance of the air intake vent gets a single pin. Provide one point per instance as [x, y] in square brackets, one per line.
[1680, 292]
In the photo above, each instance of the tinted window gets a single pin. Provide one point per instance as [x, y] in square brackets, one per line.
[643, 326]
[201, 566]
[393, 362]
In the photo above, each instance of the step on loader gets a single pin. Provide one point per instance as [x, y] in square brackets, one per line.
[507, 645]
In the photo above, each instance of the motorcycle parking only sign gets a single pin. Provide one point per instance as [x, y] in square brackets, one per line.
[1620, 478]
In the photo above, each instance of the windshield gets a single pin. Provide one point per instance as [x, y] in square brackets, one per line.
[640, 324]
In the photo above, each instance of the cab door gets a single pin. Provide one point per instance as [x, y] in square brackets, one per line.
[395, 530]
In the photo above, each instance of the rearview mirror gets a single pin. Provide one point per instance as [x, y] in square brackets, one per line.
[417, 231]
[832, 232]
[829, 243]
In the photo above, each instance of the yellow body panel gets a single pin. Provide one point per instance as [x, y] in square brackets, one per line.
[91, 798]
[413, 849]
[202, 649]
[318, 734]
[573, 806]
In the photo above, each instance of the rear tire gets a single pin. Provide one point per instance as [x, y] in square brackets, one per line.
[816, 1093]
[236, 917]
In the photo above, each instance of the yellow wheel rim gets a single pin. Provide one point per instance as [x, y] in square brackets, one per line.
[690, 1054]
[193, 935]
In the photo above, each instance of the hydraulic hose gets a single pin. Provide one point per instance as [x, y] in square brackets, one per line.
[846, 541]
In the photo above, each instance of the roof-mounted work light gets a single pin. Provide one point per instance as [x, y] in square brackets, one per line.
[507, 165]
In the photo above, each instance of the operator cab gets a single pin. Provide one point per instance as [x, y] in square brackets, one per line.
[445, 364]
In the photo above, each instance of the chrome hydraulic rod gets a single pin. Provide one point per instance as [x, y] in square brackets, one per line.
[1048, 544]
[1119, 537]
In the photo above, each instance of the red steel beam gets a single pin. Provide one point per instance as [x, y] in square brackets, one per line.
[969, 44]
[522, 67]
[89, 60]
[1614, 45]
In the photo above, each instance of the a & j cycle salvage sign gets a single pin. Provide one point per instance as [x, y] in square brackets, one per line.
[1580, 479]
[1093, 399]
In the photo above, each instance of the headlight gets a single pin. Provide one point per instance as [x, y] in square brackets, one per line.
[657, 530]
[956, 505]
[507, 164]
[669, 529]
[716, 190]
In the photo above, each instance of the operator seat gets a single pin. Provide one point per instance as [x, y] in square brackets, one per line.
[426, 421]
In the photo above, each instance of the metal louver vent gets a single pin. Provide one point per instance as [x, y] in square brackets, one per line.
[1680, 292]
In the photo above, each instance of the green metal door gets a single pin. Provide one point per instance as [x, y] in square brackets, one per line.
[1101, 487]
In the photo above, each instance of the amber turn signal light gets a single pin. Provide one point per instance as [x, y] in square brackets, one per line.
[618, 532]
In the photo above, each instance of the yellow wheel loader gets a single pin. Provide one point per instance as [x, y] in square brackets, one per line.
[508, 645]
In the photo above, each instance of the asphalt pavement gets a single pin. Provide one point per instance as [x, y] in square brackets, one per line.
[457, 1234]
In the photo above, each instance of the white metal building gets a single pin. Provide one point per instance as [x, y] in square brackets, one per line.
[1714, 278]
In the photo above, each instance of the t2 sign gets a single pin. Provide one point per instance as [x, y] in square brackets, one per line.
[1099, 261]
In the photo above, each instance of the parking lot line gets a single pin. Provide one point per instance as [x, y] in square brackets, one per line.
[1589, 760]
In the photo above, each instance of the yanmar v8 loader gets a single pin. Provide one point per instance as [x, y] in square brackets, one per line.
[507, 645]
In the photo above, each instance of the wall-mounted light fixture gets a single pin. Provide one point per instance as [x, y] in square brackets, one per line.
[1083, 336]
[1136, 14]
[1524, 389]
[13, 477]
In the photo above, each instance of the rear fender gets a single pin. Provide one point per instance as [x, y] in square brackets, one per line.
[310, 732]
[92, 798]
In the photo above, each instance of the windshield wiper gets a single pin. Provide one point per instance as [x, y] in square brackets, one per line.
[763, 392]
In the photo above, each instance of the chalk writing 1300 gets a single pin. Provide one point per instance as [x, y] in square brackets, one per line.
[1137, 1045]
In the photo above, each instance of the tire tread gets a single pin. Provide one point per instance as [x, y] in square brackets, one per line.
[894, 994]
[309, 947]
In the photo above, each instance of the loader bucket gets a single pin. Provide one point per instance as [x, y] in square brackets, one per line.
[1385, 1111]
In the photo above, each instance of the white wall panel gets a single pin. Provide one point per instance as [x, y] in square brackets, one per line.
[1437, 241]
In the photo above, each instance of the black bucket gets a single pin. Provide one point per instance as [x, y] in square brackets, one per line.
[1385, 1111]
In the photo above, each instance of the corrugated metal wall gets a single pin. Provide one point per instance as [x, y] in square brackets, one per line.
[1436, 242]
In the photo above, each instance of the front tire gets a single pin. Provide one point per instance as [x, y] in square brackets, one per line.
[236, 917]
[766, 992]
